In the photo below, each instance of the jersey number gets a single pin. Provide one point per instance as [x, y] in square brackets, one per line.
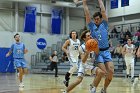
[76, 48]
[99, 37]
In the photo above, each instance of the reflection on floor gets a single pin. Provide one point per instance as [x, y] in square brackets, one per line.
[42, 83]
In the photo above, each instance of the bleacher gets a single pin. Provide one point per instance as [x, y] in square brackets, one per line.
[40, 62]
[63, 67]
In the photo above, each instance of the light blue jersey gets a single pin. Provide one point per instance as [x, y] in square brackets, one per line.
[100, 33]
[18, 54]
[18, 50]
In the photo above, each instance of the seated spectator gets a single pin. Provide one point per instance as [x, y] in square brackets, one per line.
[126, 38]
[136, 38]
[111, 48]
[117, 52]
[127, 32]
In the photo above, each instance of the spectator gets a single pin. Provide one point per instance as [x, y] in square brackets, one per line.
[121, 40]
[125, 39]
[138, 52]
[117, 52]
[127, 32]
[136, 38]
[114, 33]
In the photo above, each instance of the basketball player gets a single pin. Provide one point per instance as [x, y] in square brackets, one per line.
[99, 30]
[71, 48]
[86, 66]
[129, 54]
[18, 50]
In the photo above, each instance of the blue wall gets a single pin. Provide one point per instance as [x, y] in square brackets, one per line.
[6, 63]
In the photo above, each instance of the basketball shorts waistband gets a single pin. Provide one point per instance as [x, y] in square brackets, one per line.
[18, 58]
[103, 49]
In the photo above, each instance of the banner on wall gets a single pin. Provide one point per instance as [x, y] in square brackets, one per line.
[56, 21]
[124, 3]
[6, 63]
[114, 4]
[30, 19]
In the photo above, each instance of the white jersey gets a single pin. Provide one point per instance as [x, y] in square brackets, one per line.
[129, 50]
[74, 48]
[91, 57]
[87, 68]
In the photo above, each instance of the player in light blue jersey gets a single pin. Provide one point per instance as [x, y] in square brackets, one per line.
[18, 50]
[99, 30]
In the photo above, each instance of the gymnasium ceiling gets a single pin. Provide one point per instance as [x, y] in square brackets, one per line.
[63, 3]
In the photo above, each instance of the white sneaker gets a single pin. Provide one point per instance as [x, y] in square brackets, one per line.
[21, 85]
[21, 89]
[132, 80]
[92, 89]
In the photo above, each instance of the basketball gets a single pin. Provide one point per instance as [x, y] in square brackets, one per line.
[92, 45]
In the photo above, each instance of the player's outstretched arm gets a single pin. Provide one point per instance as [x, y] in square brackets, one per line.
[103, 11]
[86, 10]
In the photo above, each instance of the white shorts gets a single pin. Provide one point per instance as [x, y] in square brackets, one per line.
[86, 69]
[73, 62]
[129, 61]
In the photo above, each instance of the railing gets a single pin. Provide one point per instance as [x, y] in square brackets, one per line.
[40, 56]
[33, 60]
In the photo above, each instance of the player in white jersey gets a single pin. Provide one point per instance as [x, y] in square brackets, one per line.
[87, 66]
[71, 48]
[129, 52]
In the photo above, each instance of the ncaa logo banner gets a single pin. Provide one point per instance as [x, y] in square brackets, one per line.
[41, 43]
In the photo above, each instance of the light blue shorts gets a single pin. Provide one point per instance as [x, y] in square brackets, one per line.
[20, 62]
[104, 56]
